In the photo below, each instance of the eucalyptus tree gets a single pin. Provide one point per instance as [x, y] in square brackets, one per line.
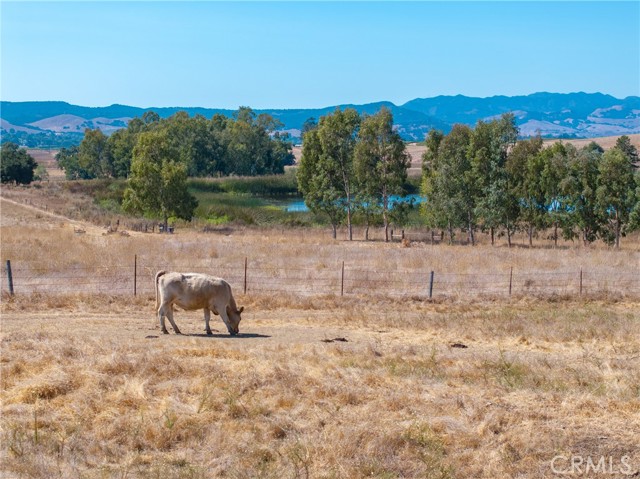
[448, 183]
[615, 195]
[555, 160]
[319, 181]
[579, 189]
[525, 167]
[624, 144]
[329, 153]
[380, 162]
[94, 154]
[496, 205]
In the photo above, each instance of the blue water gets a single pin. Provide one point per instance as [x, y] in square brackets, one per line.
[300, 206]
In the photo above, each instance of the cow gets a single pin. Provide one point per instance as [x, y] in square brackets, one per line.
[191, 291]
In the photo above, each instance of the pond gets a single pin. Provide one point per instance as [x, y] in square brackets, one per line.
[298, 205]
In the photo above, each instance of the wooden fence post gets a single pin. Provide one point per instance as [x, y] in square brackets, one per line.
[510, 280]
[431, 286]
[342, 281]
[135, 274]
[245, 275]
[10, 277]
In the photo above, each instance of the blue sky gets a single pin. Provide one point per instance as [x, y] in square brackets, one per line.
[308, 54]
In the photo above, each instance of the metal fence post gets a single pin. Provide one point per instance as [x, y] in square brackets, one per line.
[510, 280]
[10, 277]
[245, 275]
[580, 281]
[135, 274]
[431, 286]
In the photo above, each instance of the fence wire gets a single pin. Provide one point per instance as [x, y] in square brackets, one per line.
[340, 279]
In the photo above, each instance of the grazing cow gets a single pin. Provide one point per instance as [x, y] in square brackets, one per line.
[191, 291]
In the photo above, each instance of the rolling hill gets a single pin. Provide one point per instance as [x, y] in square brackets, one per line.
[553, 115]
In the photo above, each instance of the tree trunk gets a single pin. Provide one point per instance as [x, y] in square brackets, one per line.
[555, 234]
[530, 235]
[450, 228]
[492, 236]
[366, 232]
[335, 230]
[349, 225]
[471, 235]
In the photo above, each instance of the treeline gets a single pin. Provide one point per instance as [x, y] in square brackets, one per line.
[473, 179]
[485, 179]
[246, 144]
[354, 165]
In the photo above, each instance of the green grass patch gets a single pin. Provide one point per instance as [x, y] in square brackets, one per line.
[270, 186]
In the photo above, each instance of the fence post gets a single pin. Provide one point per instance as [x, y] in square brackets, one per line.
[510, 280]
[431, 286]
[135, 274]
[245, 275]
[10, 277]
[342, 281]
[581, 281]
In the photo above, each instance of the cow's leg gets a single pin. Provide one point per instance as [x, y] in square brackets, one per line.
[225, 318]
[161, 314]
[207, 318]
[169, 312]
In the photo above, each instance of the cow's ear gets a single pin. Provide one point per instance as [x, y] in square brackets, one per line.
[241, 309]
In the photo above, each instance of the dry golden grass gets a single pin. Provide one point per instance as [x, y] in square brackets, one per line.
[90, 388]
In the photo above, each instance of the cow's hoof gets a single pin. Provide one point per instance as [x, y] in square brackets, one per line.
[165, 332]
[209, 333]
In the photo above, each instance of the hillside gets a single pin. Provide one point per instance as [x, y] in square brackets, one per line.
[553, 115]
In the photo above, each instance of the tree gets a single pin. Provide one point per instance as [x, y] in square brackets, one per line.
[337, 134]
[94, 156]
[319, 181]
[121, 144]
[17, 166]
[448, 183]
[380, 161]
[158, 182]
[555, 160]
[525, 167]
[308, 125]
[496, 205]
[67, 159]
[626, 147]
[615, 194]
[252, 147]
[579, 192]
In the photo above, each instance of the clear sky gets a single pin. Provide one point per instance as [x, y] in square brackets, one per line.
[308, 54]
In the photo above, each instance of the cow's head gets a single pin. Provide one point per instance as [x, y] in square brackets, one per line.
[234, 320]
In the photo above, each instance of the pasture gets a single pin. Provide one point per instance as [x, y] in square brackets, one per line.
[315, 384]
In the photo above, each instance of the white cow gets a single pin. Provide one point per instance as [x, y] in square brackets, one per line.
[191, 291]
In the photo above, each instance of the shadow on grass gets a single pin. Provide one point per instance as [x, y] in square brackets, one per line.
[228, 336]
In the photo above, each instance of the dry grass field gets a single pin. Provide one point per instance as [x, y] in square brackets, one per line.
[315, 385]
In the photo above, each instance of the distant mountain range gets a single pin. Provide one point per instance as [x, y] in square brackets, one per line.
[555, 115]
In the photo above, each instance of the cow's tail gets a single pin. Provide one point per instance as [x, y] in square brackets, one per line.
[158, 274]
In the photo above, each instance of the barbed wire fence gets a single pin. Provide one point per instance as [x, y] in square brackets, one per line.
[341, 279]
